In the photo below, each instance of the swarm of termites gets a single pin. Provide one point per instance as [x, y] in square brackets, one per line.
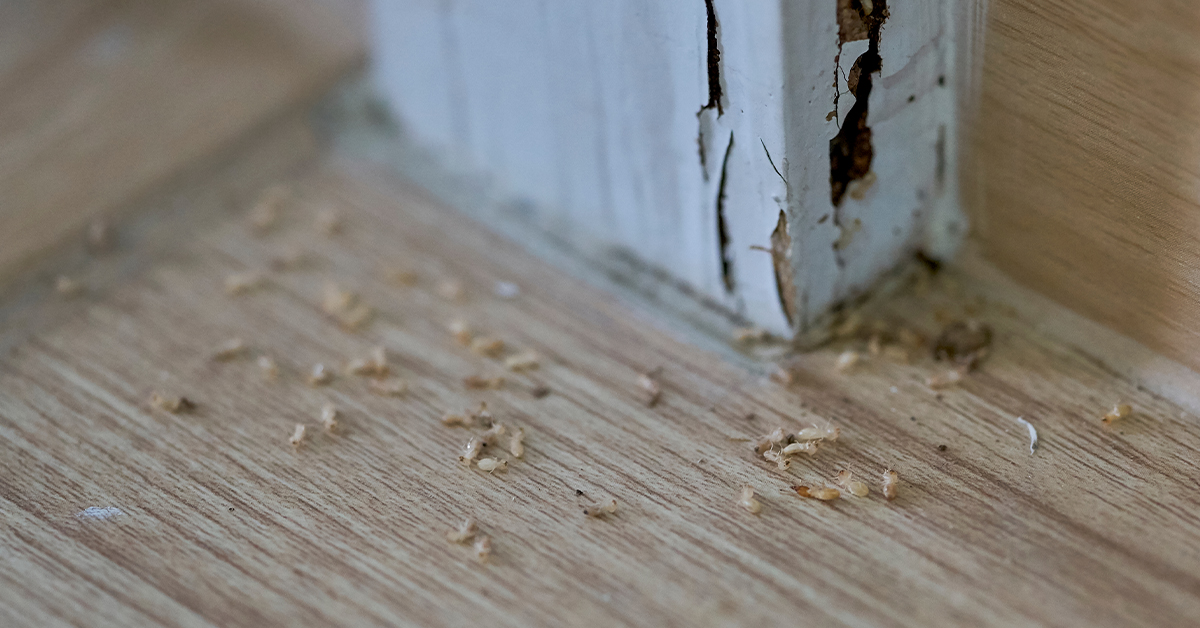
[230, 349]
[516, 443]
[525, 361]
[241, 283]
[601, 510]
[846, 361]
[170, 403]
[487, 346]
[465, 532]
[451, 290]
[483, 548]
[319, 375]
[329, 417]
[780, 447]
[67, 286]
[478, 382]
[394, 387]
[268, 366]
[1119, 411]
[823, 493]
[890, 480]
[298, 435]
[747, 500]
[648, 382]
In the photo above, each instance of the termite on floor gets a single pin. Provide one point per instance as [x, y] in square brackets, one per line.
[465, 532]
[471, 450]
[298, 435]
[67, 286]
[746, 500]
[268, 366]
[243, 282]
[516, 443]
[388, 387]
[648, 382]
[890, 480]
[376, 365]
[483, 548]
[947, 379]
[858, 489]
[451, 290]
[329, 416]
[487, 346]
[846, 361]
[601, 510]
[522, 361]
[170, 403]
[461, 330]
[492, 464]
[319, 375]
[478, 382]
[265, 212]
[823, 493]
[819, 432]
[1119, 411]
[230, 349]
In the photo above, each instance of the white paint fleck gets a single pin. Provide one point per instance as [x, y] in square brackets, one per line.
[506, 290]
[1033, 437]
[96, 512]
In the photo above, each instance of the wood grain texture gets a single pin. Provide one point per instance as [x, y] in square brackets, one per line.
[224, 524]
[1090, 163]
[100, 102]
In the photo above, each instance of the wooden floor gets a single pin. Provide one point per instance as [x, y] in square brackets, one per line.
[222, 522]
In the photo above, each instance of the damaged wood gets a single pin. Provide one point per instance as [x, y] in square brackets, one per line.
[722, 225]
[851, 151]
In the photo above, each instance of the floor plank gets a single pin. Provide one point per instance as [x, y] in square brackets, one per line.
[224, 523]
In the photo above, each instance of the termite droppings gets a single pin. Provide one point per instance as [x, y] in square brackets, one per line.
[298, 435]
[465, 532]
[601, 510]
[746, 500]
[890, 480]
[1119, 411]
[230, 349]
[329, 416]
[320, 375]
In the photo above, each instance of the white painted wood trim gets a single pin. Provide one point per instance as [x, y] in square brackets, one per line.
[593, 118]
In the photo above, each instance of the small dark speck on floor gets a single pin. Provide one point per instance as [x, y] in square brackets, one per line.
[912, 418]
[578, 492]
[941, 448]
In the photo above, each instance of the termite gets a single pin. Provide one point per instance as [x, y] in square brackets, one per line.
[465, 532]
[846, 361]
[1119, 411]
[329, 416]
[747, 500]
[229, 350]
[516, 443]
[522, 361]
[298, 435]
[319, 375]
[601, 510]
[890, 480]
